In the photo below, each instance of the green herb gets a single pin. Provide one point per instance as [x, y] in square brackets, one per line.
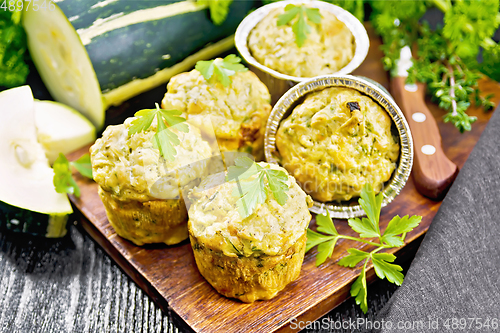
[367, 227]
[300, 27]
[13, 69]
[63, 179]
[218, 9]
[221, 69]
[446, 59]
[253, 191]
[356, 7]
[164, 140]
[490, 65]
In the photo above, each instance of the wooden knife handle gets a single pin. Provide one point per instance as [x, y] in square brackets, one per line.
[433, 172]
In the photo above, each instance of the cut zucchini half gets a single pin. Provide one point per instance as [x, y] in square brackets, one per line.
[25, 175]
[61, 129]
[93, 54]
[37, 224]
[63, 63]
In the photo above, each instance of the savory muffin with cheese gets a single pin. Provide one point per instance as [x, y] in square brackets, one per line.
[141, 191]
[250, 258]
[328, 47]
[238, 112]
[337, 140]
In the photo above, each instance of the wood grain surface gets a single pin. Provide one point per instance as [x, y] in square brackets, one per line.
[169, 274]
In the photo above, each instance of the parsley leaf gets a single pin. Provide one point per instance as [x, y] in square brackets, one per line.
[325, 224]
[359, 290]
[371, 204]
[397, 226]
[222, 68]
[363, 227]
[468, 23]
[313, 15]
[354, 257]
[83, 166]
[325, 250]
[326, 244]
[290, 12]
[384, 268]
[63, 179]
[164, 140]
[251, 194]
[367, 228]
[253, 191]
[218, 9]
[277, 183]
[243, 168]
[314, 238]
[300, 27]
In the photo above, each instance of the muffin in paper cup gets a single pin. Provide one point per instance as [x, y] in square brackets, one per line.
[349, 117]
[284, 76]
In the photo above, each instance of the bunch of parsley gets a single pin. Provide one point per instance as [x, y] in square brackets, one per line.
[446, 59]
[13, 68]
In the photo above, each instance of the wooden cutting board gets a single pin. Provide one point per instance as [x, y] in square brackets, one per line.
[170, 276]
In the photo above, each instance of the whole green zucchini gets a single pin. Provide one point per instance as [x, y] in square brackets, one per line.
[92, 54]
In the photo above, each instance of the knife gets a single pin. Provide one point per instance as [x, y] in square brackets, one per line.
[433, 172]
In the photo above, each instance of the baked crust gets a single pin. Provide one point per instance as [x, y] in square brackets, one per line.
[337, 140]
[153, 221]
[258, 277]
[328, 48]
[238, 112]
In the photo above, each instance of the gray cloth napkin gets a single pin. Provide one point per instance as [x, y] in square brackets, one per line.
[453, 284]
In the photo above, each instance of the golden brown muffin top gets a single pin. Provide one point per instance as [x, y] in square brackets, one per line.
[271, 229]
[232, 108]
[328, 47]
[337, 140]
[130, 167]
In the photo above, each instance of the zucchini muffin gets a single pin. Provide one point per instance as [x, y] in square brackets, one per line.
[329, 46]
[238, 112]
[252, 258]
[141, 191]
[337, 140]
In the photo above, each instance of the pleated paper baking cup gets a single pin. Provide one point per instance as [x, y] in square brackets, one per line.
[285, 105]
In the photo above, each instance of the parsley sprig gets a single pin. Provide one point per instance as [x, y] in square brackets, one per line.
[221, 69]
[367, 227]
[165, 139]
[300, 27]
[63, 179]
[254, 191]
